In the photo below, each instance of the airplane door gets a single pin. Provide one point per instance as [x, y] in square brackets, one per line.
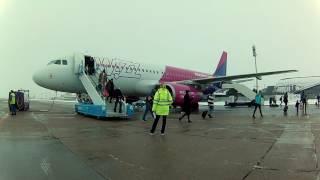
[78, 63]
[89, 65]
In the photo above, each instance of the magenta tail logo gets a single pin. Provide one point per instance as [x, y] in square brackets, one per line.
[222, 66]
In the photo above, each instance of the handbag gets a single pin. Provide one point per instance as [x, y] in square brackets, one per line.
[105, 93]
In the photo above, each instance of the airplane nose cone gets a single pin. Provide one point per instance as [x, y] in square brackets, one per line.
[37, 77]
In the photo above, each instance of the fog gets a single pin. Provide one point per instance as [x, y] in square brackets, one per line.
[180, 33]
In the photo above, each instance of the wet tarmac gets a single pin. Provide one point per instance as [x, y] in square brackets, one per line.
[52, 142]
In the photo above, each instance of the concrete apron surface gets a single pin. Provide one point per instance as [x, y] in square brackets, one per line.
[52, 142]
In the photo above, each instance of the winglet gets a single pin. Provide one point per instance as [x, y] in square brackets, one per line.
[222, 66]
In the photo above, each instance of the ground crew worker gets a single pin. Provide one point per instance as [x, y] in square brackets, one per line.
[12, 102]
[161, 104]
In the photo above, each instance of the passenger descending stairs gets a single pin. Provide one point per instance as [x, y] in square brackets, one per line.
[90, 83]
[244, 90]
[91, 89]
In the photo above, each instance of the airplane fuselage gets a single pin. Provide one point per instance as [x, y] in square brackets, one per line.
[133, 78]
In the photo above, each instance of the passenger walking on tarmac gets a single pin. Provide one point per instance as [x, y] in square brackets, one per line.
[257, 104]
[297, 106]
[148, 107]
[12, 102]
[285, 99]
[110, 88]
[119, 99]
[210, 110]
[161, 106]
[304, 101]
[280, 100]
[186, 107]
[318, 99]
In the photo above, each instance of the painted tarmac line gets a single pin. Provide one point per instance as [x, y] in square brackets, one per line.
[63, 117]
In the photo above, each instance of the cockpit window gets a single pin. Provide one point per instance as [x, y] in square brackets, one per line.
[58, 62]
[55, 62]
[64, 62]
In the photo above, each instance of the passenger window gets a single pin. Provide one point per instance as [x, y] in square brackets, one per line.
[64, 62]
[57, 62]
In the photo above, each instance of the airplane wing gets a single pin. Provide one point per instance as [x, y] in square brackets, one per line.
[306, 88]
[242, 80]
[208, 80]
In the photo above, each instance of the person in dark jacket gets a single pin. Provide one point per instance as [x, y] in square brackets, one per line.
[186, 106]
[110, 88]
[304, 102]
[148, 107]
[297, 106]
[119, 97]
[285, 100]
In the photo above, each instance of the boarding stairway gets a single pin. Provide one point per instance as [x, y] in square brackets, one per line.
[91, 89]
[244, 90]
[90, 83]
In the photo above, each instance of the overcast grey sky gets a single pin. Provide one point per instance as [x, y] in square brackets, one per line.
[189, 34]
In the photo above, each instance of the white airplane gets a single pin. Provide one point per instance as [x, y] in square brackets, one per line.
[136, 79]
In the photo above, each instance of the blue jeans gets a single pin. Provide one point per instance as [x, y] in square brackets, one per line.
[13, 108]
[148, 109]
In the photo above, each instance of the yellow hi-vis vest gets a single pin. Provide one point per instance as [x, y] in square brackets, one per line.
[12, 98]
[161, 102]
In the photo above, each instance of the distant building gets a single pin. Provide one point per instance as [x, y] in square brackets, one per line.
[310, 84]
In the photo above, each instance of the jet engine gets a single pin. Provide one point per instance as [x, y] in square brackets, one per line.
[178, 91]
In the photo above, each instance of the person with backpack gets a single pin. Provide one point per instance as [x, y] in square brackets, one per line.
[119, 99]
[258, 102]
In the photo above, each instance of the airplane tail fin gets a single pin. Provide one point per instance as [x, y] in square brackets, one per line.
[222, 66]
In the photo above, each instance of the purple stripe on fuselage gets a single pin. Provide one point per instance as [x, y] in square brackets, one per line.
[177, 74]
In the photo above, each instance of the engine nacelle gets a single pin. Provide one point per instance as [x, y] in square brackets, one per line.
[179, 90]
